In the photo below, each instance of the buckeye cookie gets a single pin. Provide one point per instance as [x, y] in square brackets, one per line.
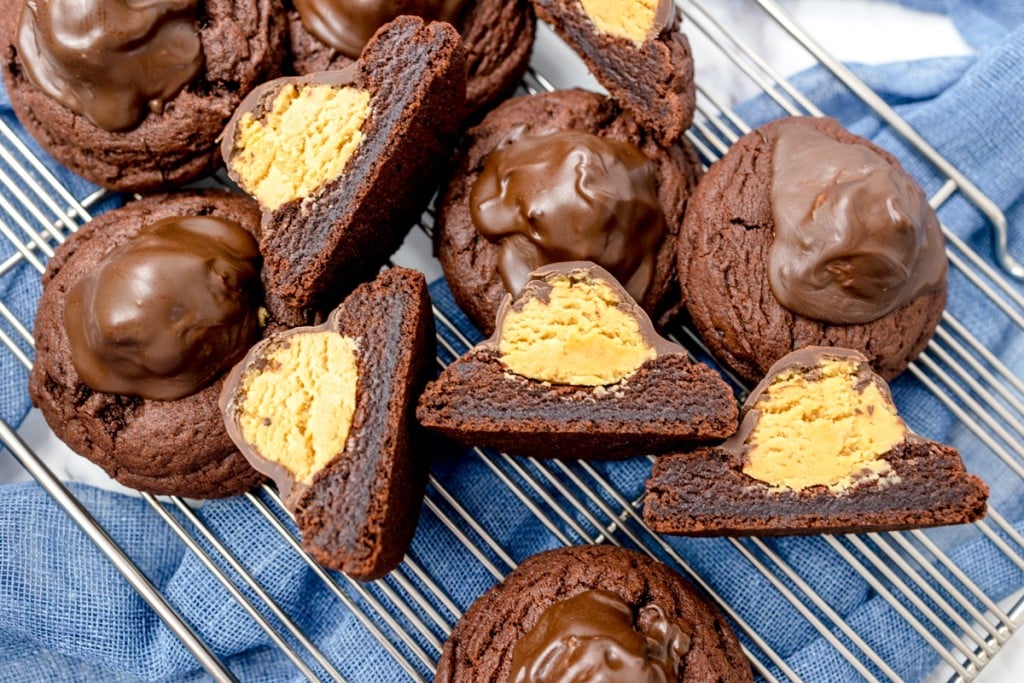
[143, 311]
[592, 613]
[326, 412]
[805, 234]
[821, 449]
[497, 34]
[344, 162]
[563, 176]
[636, 50]
[575, 370]
[134, 96]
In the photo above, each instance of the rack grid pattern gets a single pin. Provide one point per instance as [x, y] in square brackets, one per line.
[409, 614]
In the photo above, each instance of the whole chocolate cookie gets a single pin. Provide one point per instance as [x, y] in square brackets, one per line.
[471, 261]
[858, 258]
[189, 65]
[496, 34]
[144, 299]
[585, 607]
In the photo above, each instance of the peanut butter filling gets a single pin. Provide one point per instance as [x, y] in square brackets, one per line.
[305, 139]
[299, 401]
[822, 429]
[630, 19]
[575, 335]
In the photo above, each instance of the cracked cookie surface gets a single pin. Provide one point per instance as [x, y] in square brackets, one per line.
[481, 645]
[177, 447]
[723, 261]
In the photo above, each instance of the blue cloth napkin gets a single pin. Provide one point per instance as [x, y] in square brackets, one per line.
[983, 23]
[66, 614]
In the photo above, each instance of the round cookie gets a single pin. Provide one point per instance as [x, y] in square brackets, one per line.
[729, 231]
[243, 44]
[496, 34]
[470, 261]
[173, 447]
[488, 641]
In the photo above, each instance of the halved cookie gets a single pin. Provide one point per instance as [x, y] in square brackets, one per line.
[576, 370]
[326, 412]
[497, 34]
[821, 449]
[344, 162]
[635, 49]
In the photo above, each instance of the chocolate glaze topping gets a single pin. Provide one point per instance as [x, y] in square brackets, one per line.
[347, 25]
[591, 637]
[807, 360]
[855, 237]
[112, 61]
[570, 196]
[538, 287]
[167, 311]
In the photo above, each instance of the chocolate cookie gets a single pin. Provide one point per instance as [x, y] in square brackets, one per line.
[606, 612]
[497, 34]
[821, 450]
[576, 370]
[142, 311]
[344, 162]
[188, 63]
[593, 193]
[327, 412]
[635, 49]
[857, 261]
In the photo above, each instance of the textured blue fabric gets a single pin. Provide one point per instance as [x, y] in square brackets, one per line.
[983, 23]
[66, 614]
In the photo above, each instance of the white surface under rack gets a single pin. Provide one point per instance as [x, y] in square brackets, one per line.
[409, 614]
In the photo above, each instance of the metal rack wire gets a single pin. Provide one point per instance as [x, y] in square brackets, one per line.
[409, 614]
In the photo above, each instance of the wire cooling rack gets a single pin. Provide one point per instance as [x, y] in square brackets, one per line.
[409, 614]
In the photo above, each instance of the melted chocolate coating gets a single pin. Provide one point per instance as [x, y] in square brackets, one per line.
[232, 398]
[111, 61]
[665, 15]
[570, 196]
[855, 237]
[347, 25]
[591, 638]
[167, 311]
